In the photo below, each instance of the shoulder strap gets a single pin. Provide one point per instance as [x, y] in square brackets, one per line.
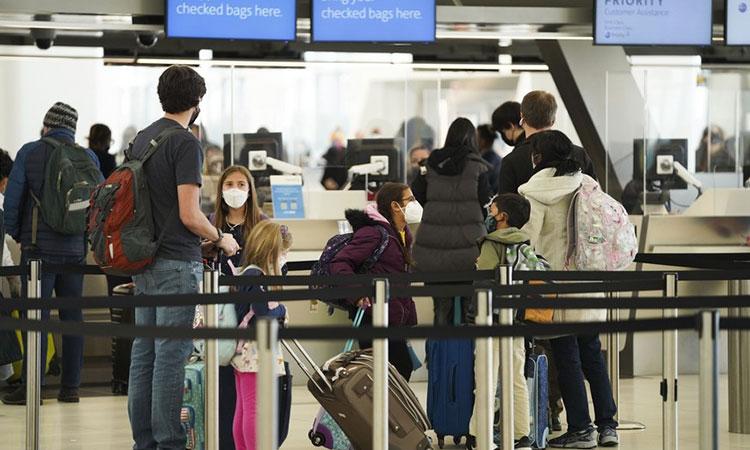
[154, 144]
[373, 259]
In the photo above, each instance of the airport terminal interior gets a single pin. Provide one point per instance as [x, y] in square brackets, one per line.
[326, 102]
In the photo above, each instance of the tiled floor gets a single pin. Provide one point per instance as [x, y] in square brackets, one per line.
[101, 422]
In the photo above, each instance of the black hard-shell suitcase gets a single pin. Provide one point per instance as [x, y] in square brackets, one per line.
[121, 347]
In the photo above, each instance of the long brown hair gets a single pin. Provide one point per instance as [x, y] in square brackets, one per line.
[389, 193]
[263, 246]
[252, 210]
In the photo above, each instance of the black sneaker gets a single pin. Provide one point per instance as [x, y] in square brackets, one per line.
[608, 437]
[17, 397]
[523, 444]
[68, 395]
[575, 439]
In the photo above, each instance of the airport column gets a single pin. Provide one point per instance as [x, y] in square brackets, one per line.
[33, 359]
[211, 286]
[669, 370]
[380, 368]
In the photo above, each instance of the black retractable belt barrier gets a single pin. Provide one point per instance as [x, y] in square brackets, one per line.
[359, 279]
[714, 261]
[551, 275]
[72, 269]
[13, 271]
[366, 333]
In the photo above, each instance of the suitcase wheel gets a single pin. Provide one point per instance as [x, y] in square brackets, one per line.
[317, 439]
[456, 440]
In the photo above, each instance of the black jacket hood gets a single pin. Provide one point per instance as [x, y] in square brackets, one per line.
[357, 218]
[451, 160]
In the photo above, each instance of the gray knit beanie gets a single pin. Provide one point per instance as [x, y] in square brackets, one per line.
[61, 115]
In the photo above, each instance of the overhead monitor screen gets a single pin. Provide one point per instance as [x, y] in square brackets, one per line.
[271, 20]
[373, 20]
[737, 29]
[652, 22]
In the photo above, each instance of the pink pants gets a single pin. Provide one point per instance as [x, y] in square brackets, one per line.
[244, 413]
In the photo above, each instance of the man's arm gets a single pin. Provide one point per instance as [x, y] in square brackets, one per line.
[14, 195]
[507, 182]
[188, 199]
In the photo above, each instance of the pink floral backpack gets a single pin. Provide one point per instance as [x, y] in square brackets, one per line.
[600, 234]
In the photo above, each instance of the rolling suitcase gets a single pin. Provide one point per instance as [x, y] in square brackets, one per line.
[121, 347]
[539, 399]
[450, 385]
[343, 387]
[191, 415]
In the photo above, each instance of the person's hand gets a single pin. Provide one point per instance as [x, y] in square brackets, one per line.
[364, 303]
[228, 245]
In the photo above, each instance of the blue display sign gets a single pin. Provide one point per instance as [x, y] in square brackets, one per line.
[373, 20]
[653, 22]
[288, 202]
[274, 20]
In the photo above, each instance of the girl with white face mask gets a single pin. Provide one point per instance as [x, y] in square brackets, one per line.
[237, 212]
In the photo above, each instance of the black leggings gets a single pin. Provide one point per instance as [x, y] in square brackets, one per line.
[398, 352]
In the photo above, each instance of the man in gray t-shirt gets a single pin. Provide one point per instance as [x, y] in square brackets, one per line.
[157, 366]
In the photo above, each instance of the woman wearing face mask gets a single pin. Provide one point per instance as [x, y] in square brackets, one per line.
[395, 207]
[237, 212]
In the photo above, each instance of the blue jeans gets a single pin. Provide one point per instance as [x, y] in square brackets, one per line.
[576, 357]
[63, 285]
[157, 366]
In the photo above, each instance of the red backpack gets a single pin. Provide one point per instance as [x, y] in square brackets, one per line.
[120, 224]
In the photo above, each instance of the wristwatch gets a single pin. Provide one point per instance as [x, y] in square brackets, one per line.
[221, 236]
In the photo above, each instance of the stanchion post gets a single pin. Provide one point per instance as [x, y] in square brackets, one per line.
[380, 368]
[211, 286]
[506, 364]
[33, 359]
[484, 365]
[709, 380]
[613, 363]
[268, 417]
[669, 371]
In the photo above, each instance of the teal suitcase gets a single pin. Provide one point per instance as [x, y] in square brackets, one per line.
[192, 412]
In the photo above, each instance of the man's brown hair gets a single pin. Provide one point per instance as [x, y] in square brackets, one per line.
[539, 109]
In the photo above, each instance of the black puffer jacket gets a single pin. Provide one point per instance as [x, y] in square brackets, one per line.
[453, 189]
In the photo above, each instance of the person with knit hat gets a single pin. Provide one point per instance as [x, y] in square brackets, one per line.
[53, 248]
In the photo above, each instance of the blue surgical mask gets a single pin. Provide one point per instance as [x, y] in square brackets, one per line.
[491, 223]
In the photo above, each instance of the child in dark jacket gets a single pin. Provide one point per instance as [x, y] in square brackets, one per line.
[266, 249]
[395, 208]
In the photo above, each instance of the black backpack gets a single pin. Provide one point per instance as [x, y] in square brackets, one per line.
[70, 176]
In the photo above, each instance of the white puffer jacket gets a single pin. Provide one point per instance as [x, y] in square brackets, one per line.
[550, 198]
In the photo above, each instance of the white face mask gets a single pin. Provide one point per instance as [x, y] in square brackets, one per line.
[412, 212]
[235, 198]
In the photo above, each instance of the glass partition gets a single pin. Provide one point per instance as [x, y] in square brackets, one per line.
[674, 133]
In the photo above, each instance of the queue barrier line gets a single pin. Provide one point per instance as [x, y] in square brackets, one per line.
[338, 333]
[527, 300]
[709, 271]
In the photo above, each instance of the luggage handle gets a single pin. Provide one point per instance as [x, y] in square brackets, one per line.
[304, 365]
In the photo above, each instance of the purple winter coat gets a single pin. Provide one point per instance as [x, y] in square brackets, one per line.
[401, 310]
